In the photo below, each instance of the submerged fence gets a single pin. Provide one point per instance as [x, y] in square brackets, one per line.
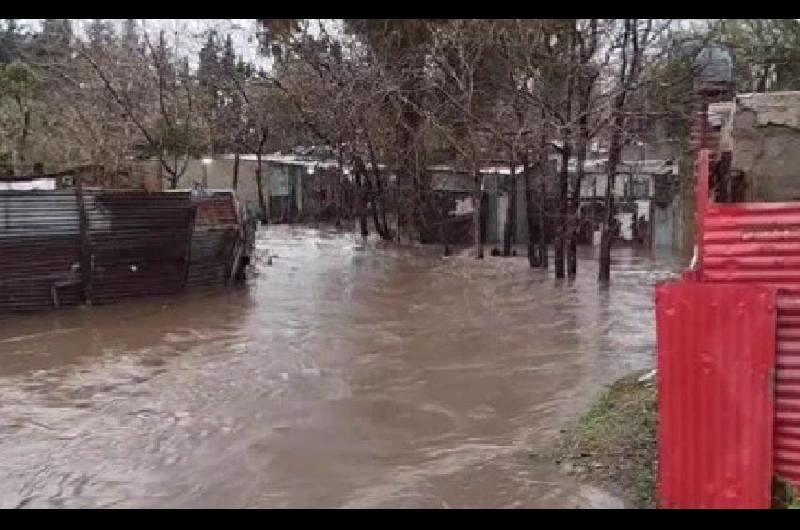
[67, 247]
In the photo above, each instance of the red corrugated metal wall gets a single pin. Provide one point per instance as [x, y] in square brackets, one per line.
[759, 243]
[716, 351]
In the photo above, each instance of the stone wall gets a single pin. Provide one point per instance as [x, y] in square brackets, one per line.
[765, 132]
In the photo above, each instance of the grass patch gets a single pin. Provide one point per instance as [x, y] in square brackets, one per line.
[614, 444]
[784, 495]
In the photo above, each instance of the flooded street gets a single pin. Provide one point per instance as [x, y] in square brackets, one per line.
[342, 376]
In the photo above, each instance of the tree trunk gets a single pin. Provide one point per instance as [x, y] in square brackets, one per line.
[408, 181]
[360, 204]
[629, 73]
[604, 271]
[542, 164]
[509, 230]
[173, 178]
[584, 93]
[382, 229]
[262, 204]
[174, 173]
[23, 141]
[383, 202]
[160, 173]
[572, 246]
[374, 207]
[563, 183]
[339, 189]
[164, 166]
[531, 216]
[544, 258]
[476, 215]
[380, 199]
[563, 191]
[614, 154]
[235, 171]
[443, 237]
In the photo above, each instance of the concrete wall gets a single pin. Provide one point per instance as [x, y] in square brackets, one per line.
[218, 174]
[766, 144]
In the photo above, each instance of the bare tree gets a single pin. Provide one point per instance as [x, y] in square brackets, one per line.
[635, 60]
[165, 113]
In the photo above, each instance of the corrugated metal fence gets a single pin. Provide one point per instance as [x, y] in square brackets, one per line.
[214, 241]
[62, 247]
[39, 248]
[716, 353]
[139, 243]
[758, 242]
[740, 246]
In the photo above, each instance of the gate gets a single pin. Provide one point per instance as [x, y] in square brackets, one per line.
[716, 356]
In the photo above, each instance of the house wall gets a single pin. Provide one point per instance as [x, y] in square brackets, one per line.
[766, 144]
[218, 174]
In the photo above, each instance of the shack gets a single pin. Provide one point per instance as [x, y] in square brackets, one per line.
[64, 246]
[287, 182]
[644, 192]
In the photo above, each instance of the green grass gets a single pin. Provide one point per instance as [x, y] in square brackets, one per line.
[785, 496]
[614, 443]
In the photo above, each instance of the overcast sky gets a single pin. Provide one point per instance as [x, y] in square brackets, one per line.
[188, 34]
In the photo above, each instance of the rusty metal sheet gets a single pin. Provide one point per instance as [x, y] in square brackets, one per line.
[216, 231]
[139, 244]
[716, 356]
[38, 248]
[216, 212]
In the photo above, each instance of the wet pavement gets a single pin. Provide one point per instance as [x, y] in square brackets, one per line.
[344, 375]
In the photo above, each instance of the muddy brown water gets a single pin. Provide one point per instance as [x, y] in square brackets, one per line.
[344, 375]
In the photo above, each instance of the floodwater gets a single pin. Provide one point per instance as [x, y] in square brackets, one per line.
[344, 375]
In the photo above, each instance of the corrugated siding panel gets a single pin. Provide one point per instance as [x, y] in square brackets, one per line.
[760, 243]
[139, 243]
[216, 228]
[211, 256]
[716, 352]
[38, 247]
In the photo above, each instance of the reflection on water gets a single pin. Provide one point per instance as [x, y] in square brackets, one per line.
[345, 375]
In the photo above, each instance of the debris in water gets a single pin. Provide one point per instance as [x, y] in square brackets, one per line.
[648, 376]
